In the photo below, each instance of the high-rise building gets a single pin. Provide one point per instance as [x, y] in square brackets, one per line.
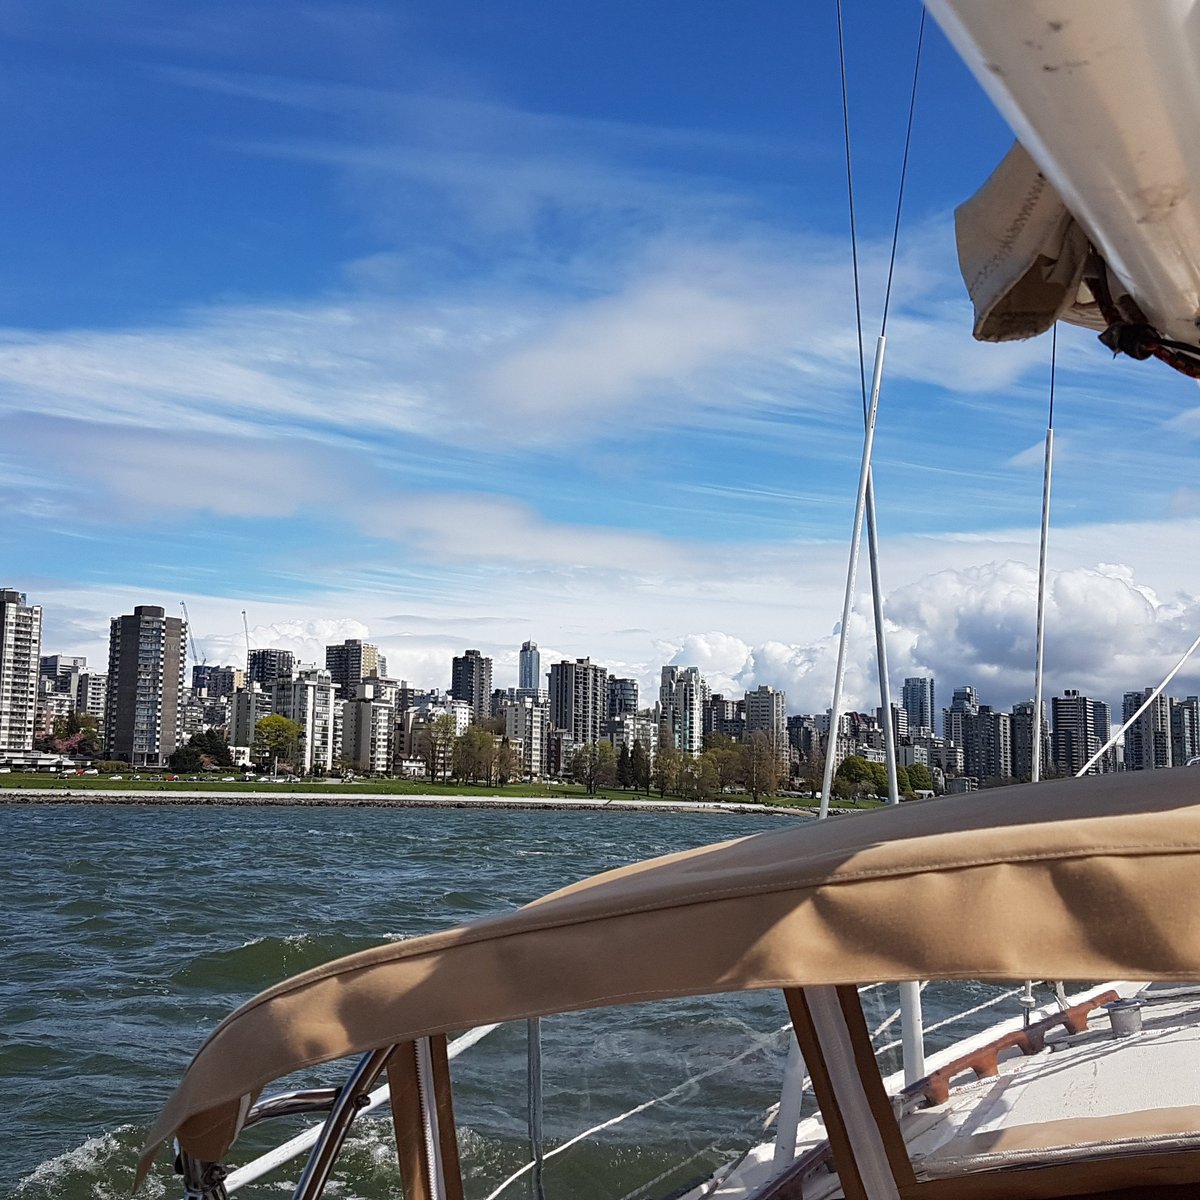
[1022, 741]
[351, 661]
[918, 701]
[726, 717]
[217, 681]
[308, 699]
[681, 696]
[368, 728]
[267, 665]
[471, 681]
[766, 712]
[1148, 739]
[987, 743]
[146, 651]
[622, 696]
[527, 724]
[579, 699]
[529, 670]
[1185, 730]
[1079, 726]
[20, 650]
[91, 696]
[965, 703]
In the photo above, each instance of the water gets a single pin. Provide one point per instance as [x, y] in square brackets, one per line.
[130, 931]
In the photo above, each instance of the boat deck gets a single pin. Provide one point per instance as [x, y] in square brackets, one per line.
[1082, 1096]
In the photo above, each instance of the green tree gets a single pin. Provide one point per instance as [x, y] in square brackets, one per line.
[508, 762]
[920, 778]
[594, 765]
[725, 755]
[667, 764]
[760, 765]
[186, 758]
[439, 746]
[474, 755]
[624, 767]
[639, 767]
[277, 738]
[212, 746]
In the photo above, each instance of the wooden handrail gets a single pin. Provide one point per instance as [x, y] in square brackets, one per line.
[984, 1062]
[789, 1183]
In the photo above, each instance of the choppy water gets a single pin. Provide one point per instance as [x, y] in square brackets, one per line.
[130, 931]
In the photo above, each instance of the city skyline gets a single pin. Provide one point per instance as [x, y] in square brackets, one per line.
[711, 654]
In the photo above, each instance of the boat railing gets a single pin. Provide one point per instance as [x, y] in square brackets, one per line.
[359, 1096]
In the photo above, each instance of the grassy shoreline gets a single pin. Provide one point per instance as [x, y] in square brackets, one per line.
[34, 789]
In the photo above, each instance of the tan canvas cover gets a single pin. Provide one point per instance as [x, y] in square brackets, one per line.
[1073, 879]
[1022, 255]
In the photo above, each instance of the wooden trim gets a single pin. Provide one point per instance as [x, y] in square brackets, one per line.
[831, 1114]
[872, 1084]
[1173, 1175]
[447, 1130]
[405, 1095]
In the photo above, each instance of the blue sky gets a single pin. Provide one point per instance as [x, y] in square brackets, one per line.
[460, 323]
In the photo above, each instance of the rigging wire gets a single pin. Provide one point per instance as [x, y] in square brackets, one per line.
[912, 108]
[858, 322]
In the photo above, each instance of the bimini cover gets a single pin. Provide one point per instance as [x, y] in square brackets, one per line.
[1022, 255]
[1074, 879]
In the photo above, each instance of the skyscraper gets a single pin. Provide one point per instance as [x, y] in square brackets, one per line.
[917, 701]
[529, 671]
[681, 696]
[1022, 741]
[579, 699]
[1185, 730]
[351, 661]
[266, 666]
[145, 685]
[766, 712]
[1079, 726]
[471, 680]
[20, 650]
[965, 703]
[1148, 739]
[622, 696]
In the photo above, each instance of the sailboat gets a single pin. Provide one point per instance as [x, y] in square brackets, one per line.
[1094, 217]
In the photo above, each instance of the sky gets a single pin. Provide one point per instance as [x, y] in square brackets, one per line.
[457, 324]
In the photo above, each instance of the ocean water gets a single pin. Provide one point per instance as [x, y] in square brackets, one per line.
[130, 931]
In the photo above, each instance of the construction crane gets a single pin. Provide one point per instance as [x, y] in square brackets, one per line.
[196, 660]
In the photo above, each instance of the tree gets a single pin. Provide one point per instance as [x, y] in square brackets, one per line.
[76, 734]
[920, 778]
[594, 765]
[698, 778]
[639, 767]
[667, 763]
[186, 758]
[508, 762]
[212, 745]
[276, 738]
[624, 767]
[725, 755]
[760, 765]
[474, 755]
[439, 746]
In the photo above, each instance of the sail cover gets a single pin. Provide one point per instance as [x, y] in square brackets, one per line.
[1073, 879]
[1022, 255]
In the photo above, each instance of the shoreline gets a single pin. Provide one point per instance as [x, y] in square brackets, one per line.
[233, 799]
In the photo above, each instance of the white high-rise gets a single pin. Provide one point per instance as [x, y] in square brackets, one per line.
[681, 700]
[20, 650]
